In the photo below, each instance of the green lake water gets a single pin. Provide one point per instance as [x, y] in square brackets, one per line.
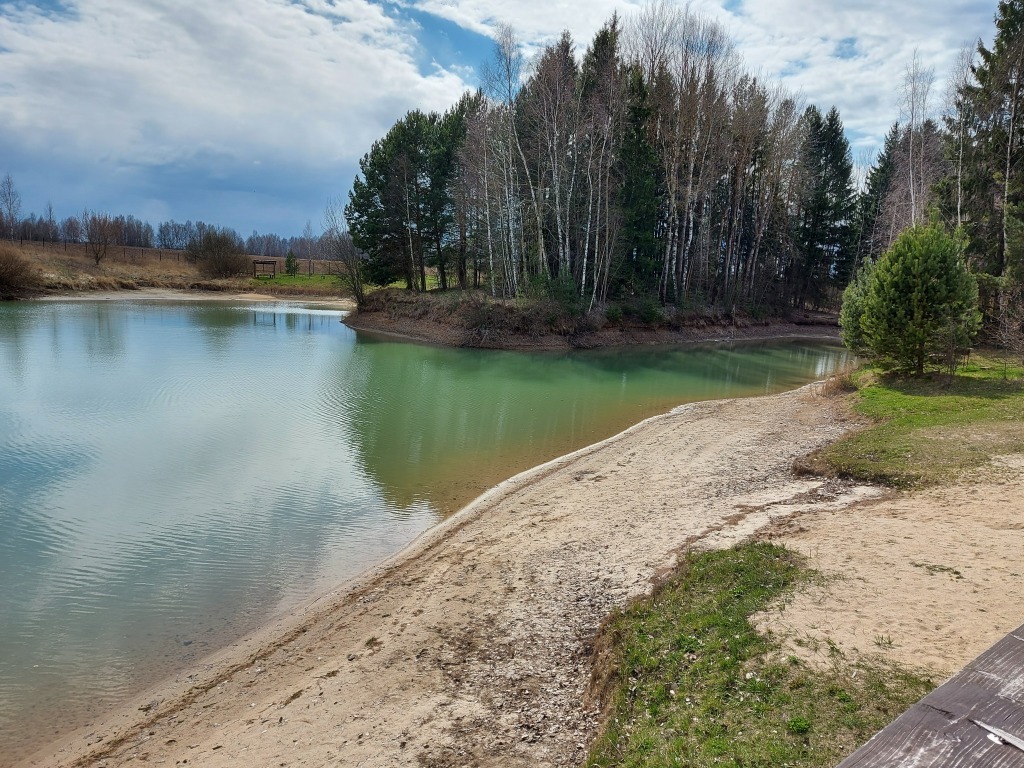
[174, 474]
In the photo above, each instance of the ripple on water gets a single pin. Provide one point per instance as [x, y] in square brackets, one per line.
[171, 476]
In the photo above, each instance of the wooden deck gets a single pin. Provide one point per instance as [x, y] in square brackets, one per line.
[948, 727]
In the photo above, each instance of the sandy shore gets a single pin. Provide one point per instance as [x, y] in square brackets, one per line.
[473, 647]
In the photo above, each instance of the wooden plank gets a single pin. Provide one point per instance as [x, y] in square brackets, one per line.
[942, 729]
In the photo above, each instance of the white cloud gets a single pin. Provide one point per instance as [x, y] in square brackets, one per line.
[772, 35]
[164, 81]
[797, 42]
[535, 21]
[238, 98]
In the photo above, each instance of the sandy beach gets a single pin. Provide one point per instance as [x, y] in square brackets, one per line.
[474, 645]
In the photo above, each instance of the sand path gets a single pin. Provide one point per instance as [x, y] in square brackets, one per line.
[474, 646]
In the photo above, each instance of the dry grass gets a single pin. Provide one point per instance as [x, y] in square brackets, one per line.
[70, 268]
[18, 275]
[841, 382]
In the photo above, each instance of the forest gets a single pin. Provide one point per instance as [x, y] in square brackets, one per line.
[651, 167]
[654, 167]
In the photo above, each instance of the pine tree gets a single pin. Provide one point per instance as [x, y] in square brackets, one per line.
[921, 303]
[852, 311]
[400, 212]
[291, 264]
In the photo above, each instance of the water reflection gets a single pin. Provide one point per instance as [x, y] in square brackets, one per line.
[423, 419]
[173, 474]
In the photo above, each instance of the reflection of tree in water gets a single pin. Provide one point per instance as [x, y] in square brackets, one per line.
[431, 424]
[16, 324]
[218, 324]
[418, 416]
[105, 564]
[103, 329]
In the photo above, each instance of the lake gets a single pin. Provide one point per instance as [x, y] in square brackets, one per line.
[173, 474]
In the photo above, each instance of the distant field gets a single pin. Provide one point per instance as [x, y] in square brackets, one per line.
[71, 267]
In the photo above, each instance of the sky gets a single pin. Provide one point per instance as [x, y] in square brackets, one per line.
[253, 114]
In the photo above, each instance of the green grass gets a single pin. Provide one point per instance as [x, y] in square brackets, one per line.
[932, 429]
[292, 280]
[697, 685]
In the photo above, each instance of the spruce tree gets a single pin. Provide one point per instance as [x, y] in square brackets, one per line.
[874, 233]
[640, 196]
[824, 231]
[990, 111]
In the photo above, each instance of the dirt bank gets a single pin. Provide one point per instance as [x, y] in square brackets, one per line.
[449, 334]
[474, 646]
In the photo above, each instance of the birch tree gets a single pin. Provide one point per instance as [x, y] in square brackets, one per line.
[10, 205]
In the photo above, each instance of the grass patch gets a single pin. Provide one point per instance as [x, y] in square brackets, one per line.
[695, 684]
[931, 429]
[292, 281]
[933, 569]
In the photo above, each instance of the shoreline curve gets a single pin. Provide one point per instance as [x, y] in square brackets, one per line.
[161, 707]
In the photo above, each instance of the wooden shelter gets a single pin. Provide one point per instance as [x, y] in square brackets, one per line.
[264, 268]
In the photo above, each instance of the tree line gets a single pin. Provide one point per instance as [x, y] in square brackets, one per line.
[651, 167]
[654, 166]
[959, 171]
[97, 227]
[943, 247]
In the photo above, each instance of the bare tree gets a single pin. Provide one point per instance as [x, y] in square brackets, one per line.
[71, 229]
[652, 34]
[308, 246]
[50, 223]
[1011, 321]
[918, 165]
[10, 204]
[553, 105]
[340, 252]
[219, 252]
[957, 118]
[101, 231]
[917, 86]
[502, 77]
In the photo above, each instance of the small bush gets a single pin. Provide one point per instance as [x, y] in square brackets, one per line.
[559, 291]
[17, 275]
[219, 254]
[840, 383]
[798, 726]
[645, 310]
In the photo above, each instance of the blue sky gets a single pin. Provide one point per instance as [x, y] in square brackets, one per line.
[253, 113]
